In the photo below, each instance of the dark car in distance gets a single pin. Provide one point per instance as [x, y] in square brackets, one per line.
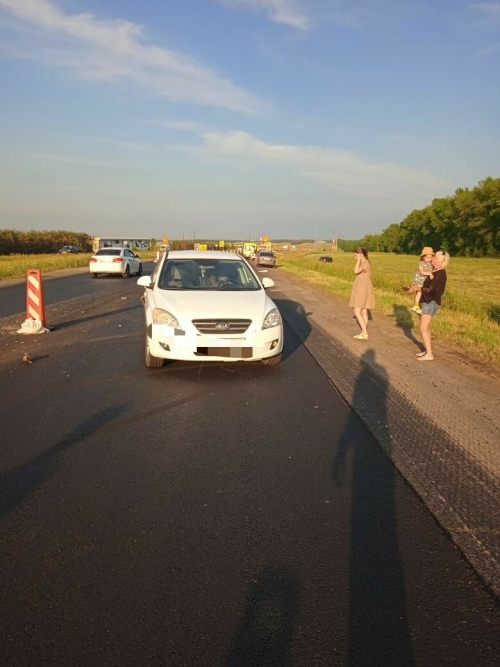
[326, 258]
[266, 258]
[70, 249]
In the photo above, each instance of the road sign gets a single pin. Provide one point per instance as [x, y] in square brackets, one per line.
[221, 244]
[265, 239]
[165, 239]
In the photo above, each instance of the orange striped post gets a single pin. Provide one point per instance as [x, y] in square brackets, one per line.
[35, 308]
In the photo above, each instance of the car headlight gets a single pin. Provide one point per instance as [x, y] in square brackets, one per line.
[164, 317]
[272, 319]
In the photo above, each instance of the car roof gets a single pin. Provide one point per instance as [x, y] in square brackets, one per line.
[203, 254]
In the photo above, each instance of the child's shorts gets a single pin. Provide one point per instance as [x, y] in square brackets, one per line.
[430, 308]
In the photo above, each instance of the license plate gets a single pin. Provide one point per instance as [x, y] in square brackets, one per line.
[236, 352]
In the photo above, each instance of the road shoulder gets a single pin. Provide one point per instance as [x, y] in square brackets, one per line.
[438, 421]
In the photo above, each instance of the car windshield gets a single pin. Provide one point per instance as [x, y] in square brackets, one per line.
[266, 254]
[109, 251]
[207, 274]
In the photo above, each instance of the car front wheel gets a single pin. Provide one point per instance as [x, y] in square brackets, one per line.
[126, 273]
[151, 362]
[139, 270]
[273, 361]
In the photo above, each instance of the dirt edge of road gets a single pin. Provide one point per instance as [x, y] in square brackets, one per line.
[437, 422]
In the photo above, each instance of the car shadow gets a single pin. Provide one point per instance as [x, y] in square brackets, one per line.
[117, 276]
[297, 318]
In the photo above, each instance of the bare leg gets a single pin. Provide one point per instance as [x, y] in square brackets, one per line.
[418, 296]
[364, 315]
[361, 320]
[425, 323]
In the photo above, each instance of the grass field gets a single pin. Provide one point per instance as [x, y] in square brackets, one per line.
[15, 266]
[470, 314]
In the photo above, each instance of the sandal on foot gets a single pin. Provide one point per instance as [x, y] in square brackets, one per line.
[421, 354]
[361, 336]
[426, 357]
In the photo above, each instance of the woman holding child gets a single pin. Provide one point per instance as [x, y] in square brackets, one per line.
[430, 302]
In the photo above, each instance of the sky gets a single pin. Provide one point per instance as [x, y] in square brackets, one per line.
[235, 119]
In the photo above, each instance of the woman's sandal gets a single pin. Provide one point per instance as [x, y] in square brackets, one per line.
[421, 354]
[425, 358]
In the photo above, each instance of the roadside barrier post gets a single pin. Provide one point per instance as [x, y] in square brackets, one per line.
[35, 308]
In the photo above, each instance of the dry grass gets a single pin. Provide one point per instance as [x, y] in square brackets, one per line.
[469, 318]
[15, 266]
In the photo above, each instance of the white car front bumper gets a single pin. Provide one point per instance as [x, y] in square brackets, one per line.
[189, 345]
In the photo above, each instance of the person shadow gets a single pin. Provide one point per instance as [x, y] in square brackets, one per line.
[404, 320]
[378, 629]
[266, 628]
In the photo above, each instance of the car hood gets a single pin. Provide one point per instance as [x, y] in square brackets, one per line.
[214, 304]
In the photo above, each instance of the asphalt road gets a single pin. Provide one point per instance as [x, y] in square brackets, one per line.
[210, 514]
[56, 290]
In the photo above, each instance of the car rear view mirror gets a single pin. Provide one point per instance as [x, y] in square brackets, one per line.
[267, 282]
[145, 281]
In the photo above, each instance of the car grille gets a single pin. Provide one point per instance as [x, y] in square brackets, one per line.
[210, 326]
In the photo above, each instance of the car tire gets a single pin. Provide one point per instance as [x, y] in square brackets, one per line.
[151, 362]
[126, 273]
[273, 361]
[94, 275]
[139, 270]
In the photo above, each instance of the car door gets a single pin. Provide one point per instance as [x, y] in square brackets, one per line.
[132, 261]
[136, 261]
[148, 298]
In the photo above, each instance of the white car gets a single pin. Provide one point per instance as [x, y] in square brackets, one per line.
[209, 306]
[114, 261]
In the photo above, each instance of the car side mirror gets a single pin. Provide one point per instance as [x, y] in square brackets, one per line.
[145, 281]
[267, 282]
